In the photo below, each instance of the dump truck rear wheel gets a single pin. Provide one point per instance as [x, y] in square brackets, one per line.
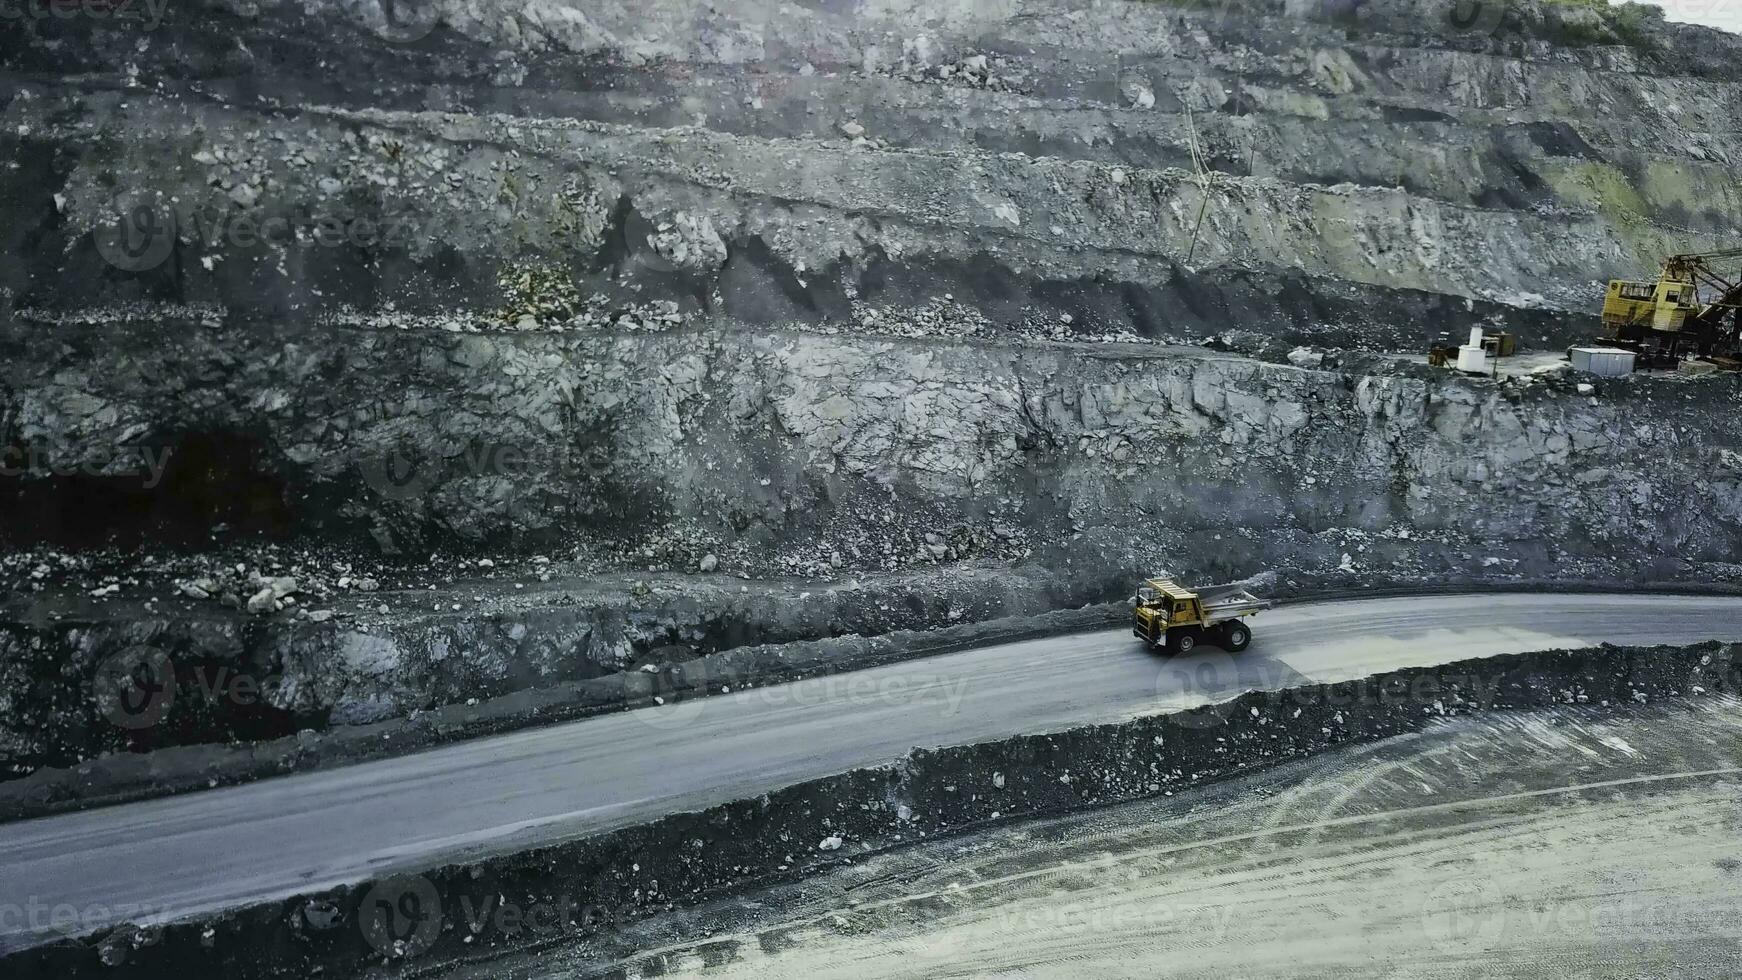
[1235, 636]
[1181, 642]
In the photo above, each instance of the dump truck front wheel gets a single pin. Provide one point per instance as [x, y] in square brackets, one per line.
[1235, 636]
[1181, 641]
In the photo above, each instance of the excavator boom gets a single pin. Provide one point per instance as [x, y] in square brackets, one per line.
[1726, 253]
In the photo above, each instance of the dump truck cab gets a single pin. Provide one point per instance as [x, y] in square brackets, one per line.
[1161, 604]
[1169, 615]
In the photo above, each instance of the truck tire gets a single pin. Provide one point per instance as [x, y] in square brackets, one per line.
[1181, 641]
[1236, 636]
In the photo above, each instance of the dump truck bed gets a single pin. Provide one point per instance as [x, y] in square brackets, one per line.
[1227, 601]
[1219, 602]
[1211, 593]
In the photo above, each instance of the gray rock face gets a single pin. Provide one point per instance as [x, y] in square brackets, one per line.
[1370, 187]
[774, 443]
[825, 290]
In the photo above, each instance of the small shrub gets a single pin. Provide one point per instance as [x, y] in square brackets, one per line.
[544, 292]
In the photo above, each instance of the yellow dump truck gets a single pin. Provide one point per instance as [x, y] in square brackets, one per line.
[1176, 618]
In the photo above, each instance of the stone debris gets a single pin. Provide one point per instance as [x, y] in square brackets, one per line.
[1138, 92]
[993, 73]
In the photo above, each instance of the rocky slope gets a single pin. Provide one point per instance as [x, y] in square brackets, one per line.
[841, 454]
[839, 290]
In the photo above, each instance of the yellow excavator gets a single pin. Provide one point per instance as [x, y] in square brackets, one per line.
[1691, 310]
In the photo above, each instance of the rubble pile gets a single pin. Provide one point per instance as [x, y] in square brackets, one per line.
[921, 62]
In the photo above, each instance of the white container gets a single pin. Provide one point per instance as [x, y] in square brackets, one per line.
[1472, 360]
[1605, 362]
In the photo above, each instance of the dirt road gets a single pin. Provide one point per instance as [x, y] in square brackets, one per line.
[174, 857]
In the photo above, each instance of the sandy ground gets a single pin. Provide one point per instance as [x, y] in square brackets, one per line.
[1550, 844]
